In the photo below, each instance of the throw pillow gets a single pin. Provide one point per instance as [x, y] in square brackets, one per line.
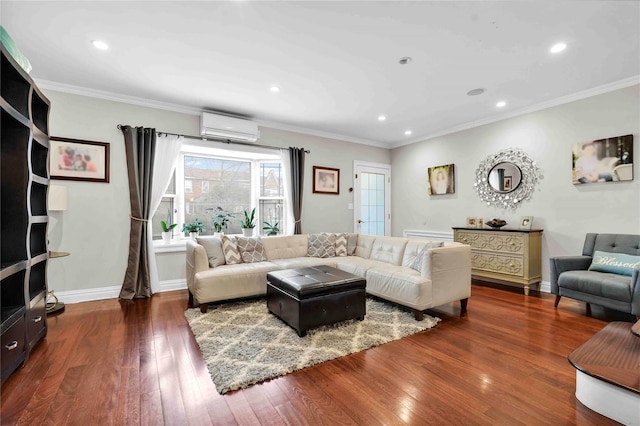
[341, 244]
[230, 250]
[322, 245]
[419, 262]
[352, 243]
[615, 263]
[213, 248]
[251, 249]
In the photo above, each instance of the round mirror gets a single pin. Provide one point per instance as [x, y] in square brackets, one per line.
[505, 177]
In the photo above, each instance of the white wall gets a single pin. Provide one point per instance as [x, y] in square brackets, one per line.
[95, 228]
[565, 212]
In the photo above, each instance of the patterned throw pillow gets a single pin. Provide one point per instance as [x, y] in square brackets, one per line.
[417, 264]
[251, 249]
[322, 245]
[341, 244]
[230, 250]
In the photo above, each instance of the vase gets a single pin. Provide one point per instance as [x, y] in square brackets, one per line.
[218, 234]
[247, 232]
[193, 235]
[166, 237]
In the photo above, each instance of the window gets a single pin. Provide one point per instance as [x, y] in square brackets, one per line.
[207, 178]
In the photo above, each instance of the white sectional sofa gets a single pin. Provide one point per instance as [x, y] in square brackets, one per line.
[390, 266]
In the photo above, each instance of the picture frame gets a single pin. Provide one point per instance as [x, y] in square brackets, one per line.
[526, 222]
[507, 183]
[603, 161]
[441, 180]
[79, 160]
[472, 222]
[326, 180]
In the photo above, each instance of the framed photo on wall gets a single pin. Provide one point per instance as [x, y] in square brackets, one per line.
[326, 180]
[603, 160]
[75, 159]
[442, 180]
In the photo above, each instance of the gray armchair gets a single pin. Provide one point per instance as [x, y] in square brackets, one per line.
[570, 276]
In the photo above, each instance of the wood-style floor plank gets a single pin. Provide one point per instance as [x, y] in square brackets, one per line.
[137, 362]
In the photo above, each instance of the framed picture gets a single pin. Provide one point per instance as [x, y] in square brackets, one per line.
[74, 159]
[326, 180]
[526, 222]
[603, 160]
[472, 222]
[441, 180]
[507, 183]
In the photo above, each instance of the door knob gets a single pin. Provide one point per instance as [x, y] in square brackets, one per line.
[360, 221]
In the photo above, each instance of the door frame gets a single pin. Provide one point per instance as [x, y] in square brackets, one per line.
[367, 167]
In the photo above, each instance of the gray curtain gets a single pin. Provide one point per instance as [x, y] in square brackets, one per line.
[296, 155]
[140, 145]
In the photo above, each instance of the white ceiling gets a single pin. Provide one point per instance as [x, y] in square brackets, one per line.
[335, 62]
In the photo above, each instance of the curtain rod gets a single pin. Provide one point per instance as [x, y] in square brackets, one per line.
[227, 141]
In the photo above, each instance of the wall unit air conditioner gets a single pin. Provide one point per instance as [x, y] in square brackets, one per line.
[228, 128]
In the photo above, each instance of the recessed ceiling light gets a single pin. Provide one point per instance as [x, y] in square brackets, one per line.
[407, 132]
[381, 118]
[405, 60]
[501, 104]
[275, 89]
[558, 47]
[99, 44]
[475, 92]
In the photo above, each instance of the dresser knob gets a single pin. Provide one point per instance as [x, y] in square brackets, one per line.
[37, 319]
[512, 243]
[11, 346]
[464, 239]
[512, 265]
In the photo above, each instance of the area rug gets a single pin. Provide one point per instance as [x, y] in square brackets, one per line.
[243, 344]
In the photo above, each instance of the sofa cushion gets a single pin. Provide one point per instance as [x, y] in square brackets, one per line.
[303, 262]
[213, 247]
[401, 285]
[615, 263]
[322, 245]
[352, 242]
[418, 262]
[341, 244]
[388, 250]
[251, 249]
[364, 245]
[611, 286]
[285, 246]
[357, 265]
[230, 250]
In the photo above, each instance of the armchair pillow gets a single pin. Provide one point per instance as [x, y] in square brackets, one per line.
[615, 263]
[230, 250]
[251, 249]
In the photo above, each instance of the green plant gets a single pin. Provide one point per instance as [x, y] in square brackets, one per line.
[196, 226]
[221, 219]
[167, 228]
[249, 221]
[271, 229]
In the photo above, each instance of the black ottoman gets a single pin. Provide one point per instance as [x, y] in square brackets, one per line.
[310, 297]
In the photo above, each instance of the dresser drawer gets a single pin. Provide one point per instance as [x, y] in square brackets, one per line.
[500, 263]
[507, 242]
[12, 351]
[36, 319]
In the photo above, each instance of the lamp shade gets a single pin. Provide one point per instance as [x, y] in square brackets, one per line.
[58, 198]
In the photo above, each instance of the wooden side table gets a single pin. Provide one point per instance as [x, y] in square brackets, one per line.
[56, 307]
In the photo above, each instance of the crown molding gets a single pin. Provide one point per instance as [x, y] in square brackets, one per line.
[605, 88]
[115, 97]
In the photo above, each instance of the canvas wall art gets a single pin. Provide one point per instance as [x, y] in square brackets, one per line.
[441, 180]
[603, 160]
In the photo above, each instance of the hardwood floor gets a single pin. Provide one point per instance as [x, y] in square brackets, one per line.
[122, 363]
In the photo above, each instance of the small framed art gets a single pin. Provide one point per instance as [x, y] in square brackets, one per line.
[74, 159]
[472, 222]
[526, 222]
[326, 180]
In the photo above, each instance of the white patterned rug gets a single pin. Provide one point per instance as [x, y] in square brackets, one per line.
[243, 344]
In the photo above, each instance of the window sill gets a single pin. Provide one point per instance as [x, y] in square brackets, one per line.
[177, 245]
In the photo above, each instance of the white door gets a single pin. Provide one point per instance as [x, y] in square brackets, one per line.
[372, 198]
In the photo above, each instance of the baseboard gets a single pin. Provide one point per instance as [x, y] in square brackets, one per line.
[545, 287]
[102, 293]
[429, 235]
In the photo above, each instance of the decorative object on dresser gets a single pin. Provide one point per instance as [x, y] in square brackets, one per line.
[243, 344]
[496, 223]
[74, 159]
[604, 160]
[442, 180]
[506, 256]
[472, 222]
[25, 181]
[326, 180]
[506, 178]
[526, 222]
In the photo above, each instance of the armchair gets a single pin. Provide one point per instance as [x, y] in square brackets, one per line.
[570, 276]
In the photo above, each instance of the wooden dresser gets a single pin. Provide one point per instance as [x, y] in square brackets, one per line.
[509, 256]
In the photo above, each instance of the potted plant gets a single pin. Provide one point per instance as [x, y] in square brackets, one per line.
[193, 228]
[221, 219]
[271, 229]
[248, 223]
[167, 231]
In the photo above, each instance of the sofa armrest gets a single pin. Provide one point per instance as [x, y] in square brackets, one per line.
[559, 265]
[196, 261]
[449, 269]
[635, 293]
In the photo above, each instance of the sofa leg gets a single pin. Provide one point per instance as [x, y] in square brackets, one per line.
[192, 302]
[463, 306]
[204, 308]
[588, 309]
[555, 304]
[419, 315]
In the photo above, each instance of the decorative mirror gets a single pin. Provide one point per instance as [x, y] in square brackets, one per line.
[506, 178]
